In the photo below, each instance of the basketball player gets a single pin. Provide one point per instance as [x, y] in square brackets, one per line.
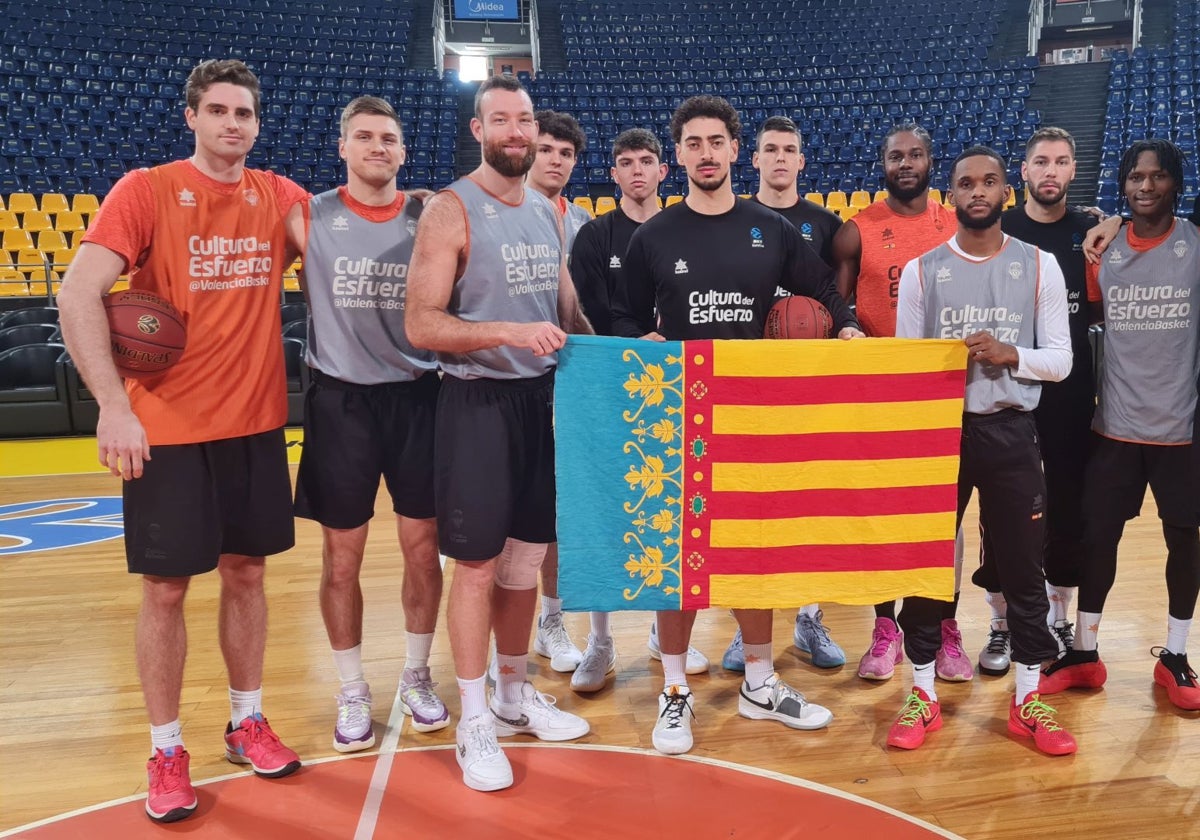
[560, 142]
[779, 159]
[1007, 301]
[869, 252]
[713, 244]
[1064, 412]
[369, 413]
[201, 446]
[1144, 423]
[488, 291]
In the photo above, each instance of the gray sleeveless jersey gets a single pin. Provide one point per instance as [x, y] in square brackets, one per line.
[355, 277]
[998, 295]
[575, 218]
[1148, 386]
[511, 275]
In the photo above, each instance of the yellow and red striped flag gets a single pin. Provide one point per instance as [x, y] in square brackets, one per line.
[756, 473]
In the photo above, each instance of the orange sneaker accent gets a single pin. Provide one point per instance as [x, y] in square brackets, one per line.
[1174, 674]
[919, 716]
[1034, 719]
[1076, 669]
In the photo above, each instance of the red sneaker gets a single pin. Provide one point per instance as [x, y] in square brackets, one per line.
[171, 797]
[1174, 674]
[1074, 669]
[1034, 719]
[919, 716]
[256, 744]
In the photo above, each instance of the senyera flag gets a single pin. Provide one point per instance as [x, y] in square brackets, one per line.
[756, 473]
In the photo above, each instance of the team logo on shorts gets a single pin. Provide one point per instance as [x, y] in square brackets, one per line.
[1180, 249]
[49, 524]
[1015, 270]
[148, 324]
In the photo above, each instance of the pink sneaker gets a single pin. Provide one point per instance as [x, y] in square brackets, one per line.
[951, 661]
[885, 653]
[256, 744]
[171, 797]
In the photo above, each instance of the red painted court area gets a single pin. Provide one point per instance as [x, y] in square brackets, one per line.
[559, 792]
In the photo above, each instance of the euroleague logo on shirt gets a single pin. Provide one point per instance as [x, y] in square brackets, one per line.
[756, 238]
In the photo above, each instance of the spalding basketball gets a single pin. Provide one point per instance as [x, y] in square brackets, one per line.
[798, 317]
[148, 333]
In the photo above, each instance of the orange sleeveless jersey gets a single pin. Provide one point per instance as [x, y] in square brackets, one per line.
[889, 241]
[217, 252]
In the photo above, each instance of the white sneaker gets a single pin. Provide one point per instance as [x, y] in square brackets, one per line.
[697, 662]
[599, 660]
[536, 715]
[776, 700]
[553, 642]
[673, 729]
[353, 731]
[484, 766]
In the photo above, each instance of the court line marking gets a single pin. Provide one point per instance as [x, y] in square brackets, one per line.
[774, 775]
[369, 816]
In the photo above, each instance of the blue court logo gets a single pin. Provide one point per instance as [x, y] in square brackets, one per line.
[49, 524]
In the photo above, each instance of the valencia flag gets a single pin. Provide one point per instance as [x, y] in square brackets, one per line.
[756, 473]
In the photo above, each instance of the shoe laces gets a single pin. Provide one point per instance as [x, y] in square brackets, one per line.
[168, 771]
[1038, 712]
[556, 633]
[952, 642]
[544, 703]
[1177, 664]
[353, 709]
[881, 640]
[915, 710]
[1066, 632]
[482, 740]
[257, 731]
[780, 691]
[817, 627]
[421, 686]
[596, 656]
[998, 641]
[673, 711]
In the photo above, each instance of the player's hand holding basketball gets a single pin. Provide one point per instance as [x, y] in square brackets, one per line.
[122, 442]
[984, 348]
[541, 337]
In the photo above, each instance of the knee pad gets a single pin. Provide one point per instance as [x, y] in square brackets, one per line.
[518, 565]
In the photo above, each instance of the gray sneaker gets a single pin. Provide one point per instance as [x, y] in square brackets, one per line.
[812, 637]
[996, 656]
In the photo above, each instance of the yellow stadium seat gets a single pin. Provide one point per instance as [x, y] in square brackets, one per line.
[51, 240]
[674, 199]
[76, 238]
[10, 274]
[85, 203]
[848, 213]
[815, 198]
[13, 288]
[586, 203]
[658, 201]
[62, 258]
[30, 258]
[68, 220]
[3, 206]
[836, 200]
[22, 202]
[35, 220]
[881, 195]
[54, 203]
[15, 239]
[5, 259]
[1011, 201]
[291, 283]
[9, 220]
[604, 204]
[935, 195]
[860, 199]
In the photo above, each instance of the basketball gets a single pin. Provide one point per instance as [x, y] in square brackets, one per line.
[798, 317]
[148, 333]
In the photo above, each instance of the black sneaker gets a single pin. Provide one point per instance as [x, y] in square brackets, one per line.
[1074, 669]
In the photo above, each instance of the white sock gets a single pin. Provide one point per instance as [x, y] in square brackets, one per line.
[601, 631]
[997, 602]
[550, 606]
[1177, 633]
[674, 669]
[923, 677]
[349, 664]
[759, 664]
[1027, 680]
[243, 704]
[416, 651]
[472, 694]
[1087, 626]
[511, 676]
[166, 736]
[1060, 602]
[809, 610]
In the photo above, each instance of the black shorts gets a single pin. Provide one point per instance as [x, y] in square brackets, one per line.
[1118, 473]
[353, 434]
[197, 501]
[494, 453]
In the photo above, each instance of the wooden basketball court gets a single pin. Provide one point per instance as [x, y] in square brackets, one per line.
[73, 731]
